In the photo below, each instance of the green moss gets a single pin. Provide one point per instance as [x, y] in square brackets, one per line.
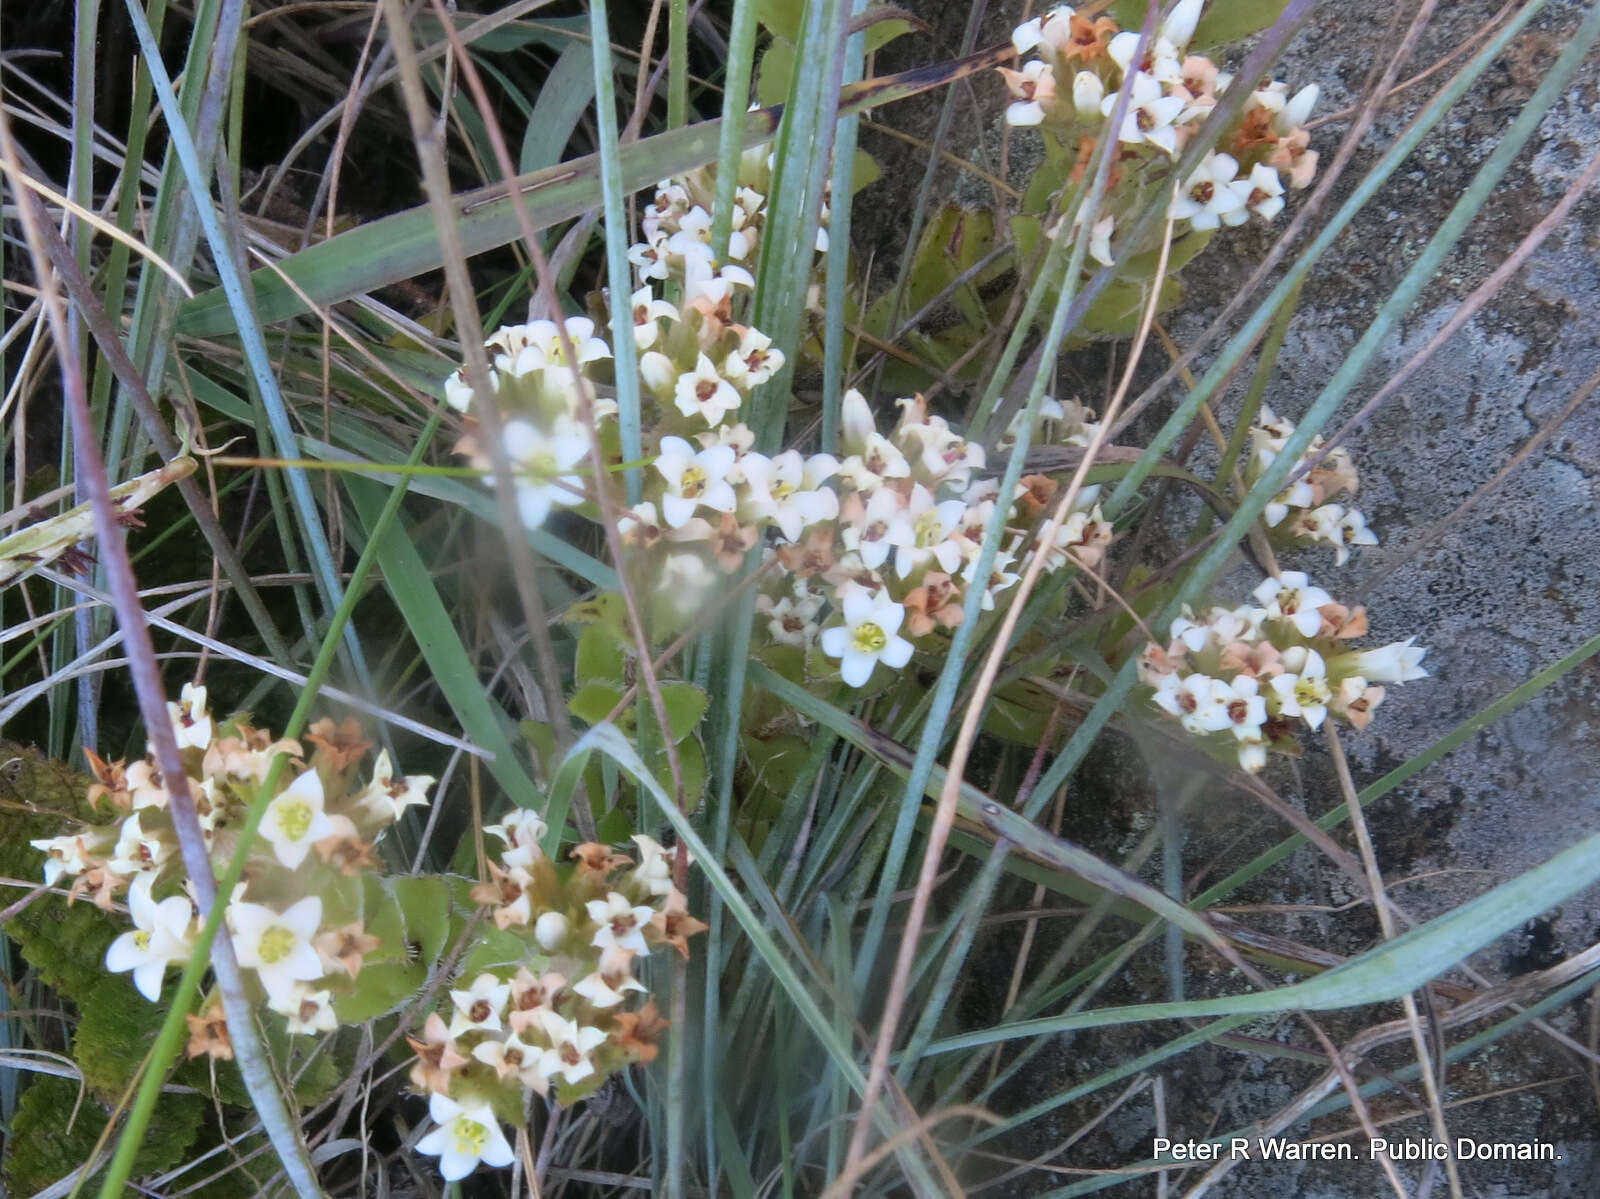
[54, 1133]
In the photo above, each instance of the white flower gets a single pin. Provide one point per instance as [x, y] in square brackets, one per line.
[706, 287]
[621, 924]
[685, 581]
[1291, 597]
[468, 1133]
[389, 794]
[550, 930]
[694, 479]
[521, 829]
[541, 464]
[1209, 195]
[1198, 701]
[190, 720]
[278, 945]
[872, 457]
[867, 637]
[1303, 689]
[1299, 495]
[1265, 196]
[1034, 83]
[137, 851]
[1397, 662]
[648, 313]
[1161, 64]
[789, 621]
[309, 1011]
[478, 1008]
[609, 985]
[649, 259]
[1246, 708]
[1150, 111]
[160, 935]
[537, 345]
[754, 362]
[63, 855]
[654, 871]
[883, 526]
[295, 819]
[570, 1048]
[930, 539]
[1352, 530]
[705, 393]
[510, 1056]
[787, 490]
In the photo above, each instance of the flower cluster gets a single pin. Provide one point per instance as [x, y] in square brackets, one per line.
[1243, 680]
[319, 827]
[1305, 514]
[563, 1017]
[1081, 66]
[873, 549]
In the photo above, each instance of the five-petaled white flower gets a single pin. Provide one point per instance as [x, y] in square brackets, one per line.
[1303, 689]
[295, 819]
[541, 466]
[610, 984]
[1265, 195]
[930, 527]
[621, 924]
[1210, 196]
[478, 1008]
[1198, 701]
[869, 635]
[648, 313]
[510, 1056]
[694, 479]
[754, 362]
[467, 1134]
[654, 871]
[705, 393]
[278, 945]
[1291, 597]
[160, 935]
[190, 720]
[571, 1044]
[389, 793]
[1150, 112]
[309, 1012]
[788, 491]
[1029, 87]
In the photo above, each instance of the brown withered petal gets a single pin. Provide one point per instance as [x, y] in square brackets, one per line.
[208, 1034]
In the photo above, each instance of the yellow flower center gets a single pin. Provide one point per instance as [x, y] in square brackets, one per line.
[782, 490]
[276, 944]
[693, 483]
[471, 1137]
[869, 637]
[294, 819]
[929, 530]
[141, 940]
[1309, 692]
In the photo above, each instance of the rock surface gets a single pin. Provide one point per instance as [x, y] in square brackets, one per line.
[1498, 591]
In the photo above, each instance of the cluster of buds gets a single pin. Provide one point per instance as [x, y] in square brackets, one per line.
[1082, 64]
[1305, 514]
[568, 1015]
[1243, 680]
[318, 828]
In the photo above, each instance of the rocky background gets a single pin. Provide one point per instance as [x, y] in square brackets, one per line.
[1498, 592]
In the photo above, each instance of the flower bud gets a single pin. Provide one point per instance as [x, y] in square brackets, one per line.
[1087, 93]
[550, 930]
